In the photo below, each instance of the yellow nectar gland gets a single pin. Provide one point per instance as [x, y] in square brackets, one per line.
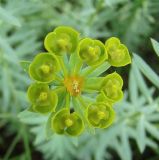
[63, 43]
[45, 68]
[68, 122]
[73, 85]
[117, 55]
[101, 115]
[112, 91]
[111, 88]
[43, 96]
[93, 51]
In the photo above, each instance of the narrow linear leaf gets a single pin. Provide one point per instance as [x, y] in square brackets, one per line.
[152, 130]
[75, 141]
[116, 144]
[6, 93]
[141, 83]
[49, 132]
[153, 117]
[141, 136]
[146, 70]
[125, 144]
[151, 143]
[111, 3]
[31, 117]
[155, 46]
[133, 90]
[8, 17]
[8, 50]
[40, 134]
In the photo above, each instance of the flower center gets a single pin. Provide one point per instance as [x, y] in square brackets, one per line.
[93, 51]
[117, 55]
[73, 85]
[101, 115]
[45, 69]
[68, 122]
[43, 96]
[64, 44]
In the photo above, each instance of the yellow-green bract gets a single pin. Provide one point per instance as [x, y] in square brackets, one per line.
[112, 87]
[100, 115]
[62, 40]
[118, 54]
[66, 122]
[92, 52]
[44, 67]
[43, 99]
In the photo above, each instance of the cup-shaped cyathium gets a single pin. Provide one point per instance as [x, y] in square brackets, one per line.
[118, 54]
[92, 52]
[100, 115]
[68, 123]
[44, 67]
[62, 40]
[112, 87]
[43, 100]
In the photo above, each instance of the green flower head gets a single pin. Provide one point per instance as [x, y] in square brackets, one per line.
[42, 98]
[62, 40]
[118, 54]
[92, 52]
[44, 67]
[100, 115]
[66, 122]
[112, 87]
[74, 81]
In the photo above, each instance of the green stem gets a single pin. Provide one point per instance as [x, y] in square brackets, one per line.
[12, 146]
[89, 83]
[96, 70]
[72, 60]
[58, 79]
[91, 88]
[76, 102]
[60, 89]
[60, 58]
[77, 107]
[75, 63]
[67, 100]
[78, 66]
[26, 144]
[89, 99]
[80, 99]
[88, 70]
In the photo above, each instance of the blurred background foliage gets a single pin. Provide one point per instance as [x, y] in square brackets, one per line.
[23, 26]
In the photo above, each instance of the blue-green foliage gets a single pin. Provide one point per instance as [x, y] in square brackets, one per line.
[22, 26]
